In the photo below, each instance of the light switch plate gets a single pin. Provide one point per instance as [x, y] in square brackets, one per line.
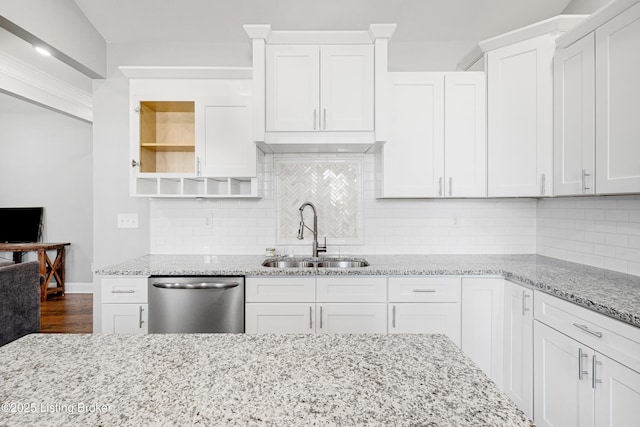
[128, 220]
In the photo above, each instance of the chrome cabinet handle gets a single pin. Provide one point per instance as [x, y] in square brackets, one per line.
[450, 186]
[584, 181]
[440, 187]
[140, 315]
[124, 291]
[543, 186]
[310, 317]
[581, 371]
[324, 119]
[594, 377]
[424, 290]
[203, 285]
[137, 108]
[315, 118]
[134, 163]
[586, 329]
[198, 165]
[524, 302]
[320, 317]
[393, 317]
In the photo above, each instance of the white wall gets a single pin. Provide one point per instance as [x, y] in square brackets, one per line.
[391, 226]
[599, 231]
[45, 160]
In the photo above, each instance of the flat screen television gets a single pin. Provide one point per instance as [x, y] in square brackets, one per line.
[20, 225]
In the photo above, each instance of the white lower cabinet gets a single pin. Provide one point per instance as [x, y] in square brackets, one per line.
[280, 318]
[576, 380]
[517, 359]
[316, 305]
[351, 318]
[124, 305]
[125, 318]
[425, 305]
[482, 324]
[425, 318]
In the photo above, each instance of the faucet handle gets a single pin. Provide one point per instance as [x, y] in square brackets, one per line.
[323, 248]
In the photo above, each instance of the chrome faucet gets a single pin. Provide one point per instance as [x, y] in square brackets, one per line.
[316, 247]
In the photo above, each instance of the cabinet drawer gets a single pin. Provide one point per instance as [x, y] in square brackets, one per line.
[424, 289]
[351, 289]
[280, 289]
[605, 335]
[124, 290]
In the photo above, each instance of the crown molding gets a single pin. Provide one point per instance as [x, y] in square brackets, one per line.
[27, 82]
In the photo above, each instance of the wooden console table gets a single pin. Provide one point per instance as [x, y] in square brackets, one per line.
[49, 269]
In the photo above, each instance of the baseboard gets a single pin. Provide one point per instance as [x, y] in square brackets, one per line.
[78, 288]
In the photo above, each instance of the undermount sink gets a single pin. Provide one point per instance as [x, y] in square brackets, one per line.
[315, 264]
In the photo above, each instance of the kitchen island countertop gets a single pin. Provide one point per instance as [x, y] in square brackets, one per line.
[238, 379]
[613, 294]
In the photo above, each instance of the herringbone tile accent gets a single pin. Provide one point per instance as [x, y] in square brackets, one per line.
[333, 187]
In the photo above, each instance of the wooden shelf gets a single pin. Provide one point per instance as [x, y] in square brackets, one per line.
[168, 147]
[167, 136]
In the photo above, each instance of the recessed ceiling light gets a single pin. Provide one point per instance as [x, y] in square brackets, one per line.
[42, 51]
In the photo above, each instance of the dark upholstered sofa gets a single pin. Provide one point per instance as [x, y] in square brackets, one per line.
[19, 300]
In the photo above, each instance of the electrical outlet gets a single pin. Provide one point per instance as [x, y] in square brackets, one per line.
[208, 218]
[128, 220]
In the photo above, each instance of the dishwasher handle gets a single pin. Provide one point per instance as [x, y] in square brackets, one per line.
[196, 285]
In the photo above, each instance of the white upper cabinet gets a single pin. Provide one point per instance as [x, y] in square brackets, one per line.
[520, 106]
[319, 88]
[574, 118]
[192, 138]
[227, 149]
[346, 87]
[617, 95]
[465, 150]
[412, 160]
[437, 145]
[292, 90]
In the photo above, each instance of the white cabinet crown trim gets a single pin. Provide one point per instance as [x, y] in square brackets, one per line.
[375, 31]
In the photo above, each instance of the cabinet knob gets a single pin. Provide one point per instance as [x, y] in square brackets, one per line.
[134, 164]
[136, 109]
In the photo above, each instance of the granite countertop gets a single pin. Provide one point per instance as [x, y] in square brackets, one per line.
[613, 294]
[238, 379]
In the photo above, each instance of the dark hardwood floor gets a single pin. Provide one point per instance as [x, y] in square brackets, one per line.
[68, 314]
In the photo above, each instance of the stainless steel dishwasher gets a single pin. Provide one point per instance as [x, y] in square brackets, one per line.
[196, 304]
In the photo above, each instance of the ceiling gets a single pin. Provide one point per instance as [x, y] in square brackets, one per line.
[127, 21]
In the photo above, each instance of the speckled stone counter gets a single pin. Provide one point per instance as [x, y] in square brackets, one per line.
[613, 294]
[242, 379]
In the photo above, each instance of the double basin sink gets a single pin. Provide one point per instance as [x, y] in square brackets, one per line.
[315, 263]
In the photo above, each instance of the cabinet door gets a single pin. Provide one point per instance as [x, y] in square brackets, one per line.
[617, 396]
[465, 149]
[292, 87]
[337, 318]
[346, 87]
[124, 318]
[425, 318]
[482, 324]
[284, 318]
[413, 158]
[563, 396]
[520, 115]
[574, 121]
[518, 346]
[225, 148]
[617, 95]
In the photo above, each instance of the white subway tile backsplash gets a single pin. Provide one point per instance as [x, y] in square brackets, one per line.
[610, 235]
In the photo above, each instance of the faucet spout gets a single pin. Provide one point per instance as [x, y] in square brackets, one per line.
[316, 247]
